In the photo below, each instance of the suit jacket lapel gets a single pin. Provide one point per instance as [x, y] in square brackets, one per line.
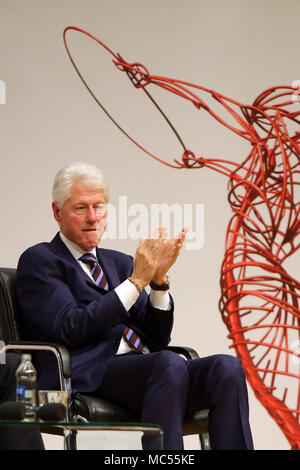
[105, 262]
[61, 250]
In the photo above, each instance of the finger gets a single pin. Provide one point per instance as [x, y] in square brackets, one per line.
[164, 232]
[184, 231]
[160, 232]
[141, 244]
[156, 234]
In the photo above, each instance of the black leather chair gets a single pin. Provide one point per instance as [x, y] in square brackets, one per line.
[81, 407]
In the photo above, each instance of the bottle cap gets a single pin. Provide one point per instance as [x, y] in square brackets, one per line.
[26, 357]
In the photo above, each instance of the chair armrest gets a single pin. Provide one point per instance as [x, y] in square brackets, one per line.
[188, 353]
[60, 352]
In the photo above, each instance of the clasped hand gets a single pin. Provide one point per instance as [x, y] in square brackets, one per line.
[155, 256]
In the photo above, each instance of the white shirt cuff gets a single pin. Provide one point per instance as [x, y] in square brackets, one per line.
[128, 295]
[160, 299]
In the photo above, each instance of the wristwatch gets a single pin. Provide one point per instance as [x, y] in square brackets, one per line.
[165, 286]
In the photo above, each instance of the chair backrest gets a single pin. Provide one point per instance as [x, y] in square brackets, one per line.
[9, 329]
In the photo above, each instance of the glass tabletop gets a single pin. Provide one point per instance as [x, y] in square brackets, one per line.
[144, 431]
[85, 424]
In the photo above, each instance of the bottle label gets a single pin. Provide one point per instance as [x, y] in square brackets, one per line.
[20, 391]
[28, 394]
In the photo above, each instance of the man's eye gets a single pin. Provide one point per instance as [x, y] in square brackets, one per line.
[100, 209]
[79, 209]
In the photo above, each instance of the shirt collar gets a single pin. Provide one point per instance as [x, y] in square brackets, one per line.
[75, 250]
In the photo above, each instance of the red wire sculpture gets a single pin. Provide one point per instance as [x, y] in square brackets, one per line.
[259, 298]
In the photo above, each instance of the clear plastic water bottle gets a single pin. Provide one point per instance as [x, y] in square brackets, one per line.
[26, 391]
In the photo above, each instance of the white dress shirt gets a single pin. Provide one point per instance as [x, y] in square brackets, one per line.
[126, 291]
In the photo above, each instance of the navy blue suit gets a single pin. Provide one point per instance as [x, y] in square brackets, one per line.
[60, 303]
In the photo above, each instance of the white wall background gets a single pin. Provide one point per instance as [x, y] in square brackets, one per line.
[237, 47]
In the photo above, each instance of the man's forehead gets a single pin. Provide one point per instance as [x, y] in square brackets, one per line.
[84, 191]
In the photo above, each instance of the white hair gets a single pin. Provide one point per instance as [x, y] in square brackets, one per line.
[88, 174]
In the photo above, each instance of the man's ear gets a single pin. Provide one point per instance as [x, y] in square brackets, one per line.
[56, 212]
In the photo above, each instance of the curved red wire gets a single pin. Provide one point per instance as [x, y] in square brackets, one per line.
[259, 299]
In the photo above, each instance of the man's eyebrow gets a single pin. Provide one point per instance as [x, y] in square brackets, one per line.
[84, 203]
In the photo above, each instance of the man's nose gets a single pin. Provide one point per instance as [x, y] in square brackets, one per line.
[91, 215]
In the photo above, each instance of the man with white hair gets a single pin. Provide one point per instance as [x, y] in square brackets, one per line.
[93, 301]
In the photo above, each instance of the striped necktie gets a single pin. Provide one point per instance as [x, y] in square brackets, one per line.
[135, 341]
[97, 273]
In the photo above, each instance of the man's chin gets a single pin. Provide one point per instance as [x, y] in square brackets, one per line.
[90, 243]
